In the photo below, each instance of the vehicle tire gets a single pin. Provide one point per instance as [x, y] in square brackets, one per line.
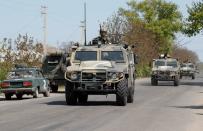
[154, 82]
[54, 88]
[47, 93]
[19, 96]
[130, 95]
[36, 93]
[176, 81]
[181, 76]
[8, 96]
[82, 98]
[71, 96]
[193, 76]
[122, 92]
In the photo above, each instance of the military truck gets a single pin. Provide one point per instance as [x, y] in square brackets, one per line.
[53, 68]
[165, 69]
[100, 69]
[187, 69]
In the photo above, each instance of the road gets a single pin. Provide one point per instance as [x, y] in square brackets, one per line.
[156, 108]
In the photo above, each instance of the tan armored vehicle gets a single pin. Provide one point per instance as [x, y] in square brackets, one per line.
[187, 69]
[165, 69]
[100, 69]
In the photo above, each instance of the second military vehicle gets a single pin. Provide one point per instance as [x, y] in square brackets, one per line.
[100, 69]
[187, 69]
[53, 68]
[165, 69]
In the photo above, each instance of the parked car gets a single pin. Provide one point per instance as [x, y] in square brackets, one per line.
[22, 81]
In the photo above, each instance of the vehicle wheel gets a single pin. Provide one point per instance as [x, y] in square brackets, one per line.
[176, 81]
[47, 93]
[154, 82]
[181, 77]
[193, 76]
[130, 95]
[8, 96]
[82, 98]
[19, 96]
[36, 93]
[54, 88]
[122, 92]
[71, 96]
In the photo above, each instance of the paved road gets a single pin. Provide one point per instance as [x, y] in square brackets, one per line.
[156, 108]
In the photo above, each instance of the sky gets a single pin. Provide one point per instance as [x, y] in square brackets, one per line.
[64, 20]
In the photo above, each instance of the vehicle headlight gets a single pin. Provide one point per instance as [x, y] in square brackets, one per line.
[115, 76]
[74, 76]
[154, 72]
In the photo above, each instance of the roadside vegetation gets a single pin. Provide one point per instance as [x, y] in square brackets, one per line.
[22, 50]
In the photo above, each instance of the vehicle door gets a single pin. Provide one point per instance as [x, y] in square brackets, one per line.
[131, 68]
[41, 80]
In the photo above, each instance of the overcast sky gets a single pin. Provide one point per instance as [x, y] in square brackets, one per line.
[64, 17]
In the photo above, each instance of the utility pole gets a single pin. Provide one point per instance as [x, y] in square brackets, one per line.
[83, 27]
[44, 14]
[85, 24]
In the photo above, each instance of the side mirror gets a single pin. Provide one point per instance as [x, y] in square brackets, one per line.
[136, 59]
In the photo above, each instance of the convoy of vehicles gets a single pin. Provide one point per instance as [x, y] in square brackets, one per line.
[29, 81]
[165, 69]
[101, 68]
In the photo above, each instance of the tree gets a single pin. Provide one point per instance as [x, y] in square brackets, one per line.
[194, 23]
[27, 51]
[184, 55]
[158, 16]
[116, 27]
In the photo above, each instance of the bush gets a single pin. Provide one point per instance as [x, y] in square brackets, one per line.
[5, 68]
[143, 70]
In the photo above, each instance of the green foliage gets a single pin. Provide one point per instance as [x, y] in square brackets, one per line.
[143, 70]
[27, 52]
[158, 16]
[5, 68]
[194, 24]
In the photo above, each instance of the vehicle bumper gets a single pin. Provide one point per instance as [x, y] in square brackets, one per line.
[17, 90]
[164, 77]
[186, 74]
[95, 88]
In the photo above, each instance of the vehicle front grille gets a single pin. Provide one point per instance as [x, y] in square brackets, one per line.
[93, 76]
[164, 73]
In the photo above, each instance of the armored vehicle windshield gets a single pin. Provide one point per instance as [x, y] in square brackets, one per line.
[112, 56]
[166, 62]
[86, 55]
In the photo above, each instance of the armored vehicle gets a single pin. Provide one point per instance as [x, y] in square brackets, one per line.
[53, 68]
[100, 69]
[187, 69]
[165, 69]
